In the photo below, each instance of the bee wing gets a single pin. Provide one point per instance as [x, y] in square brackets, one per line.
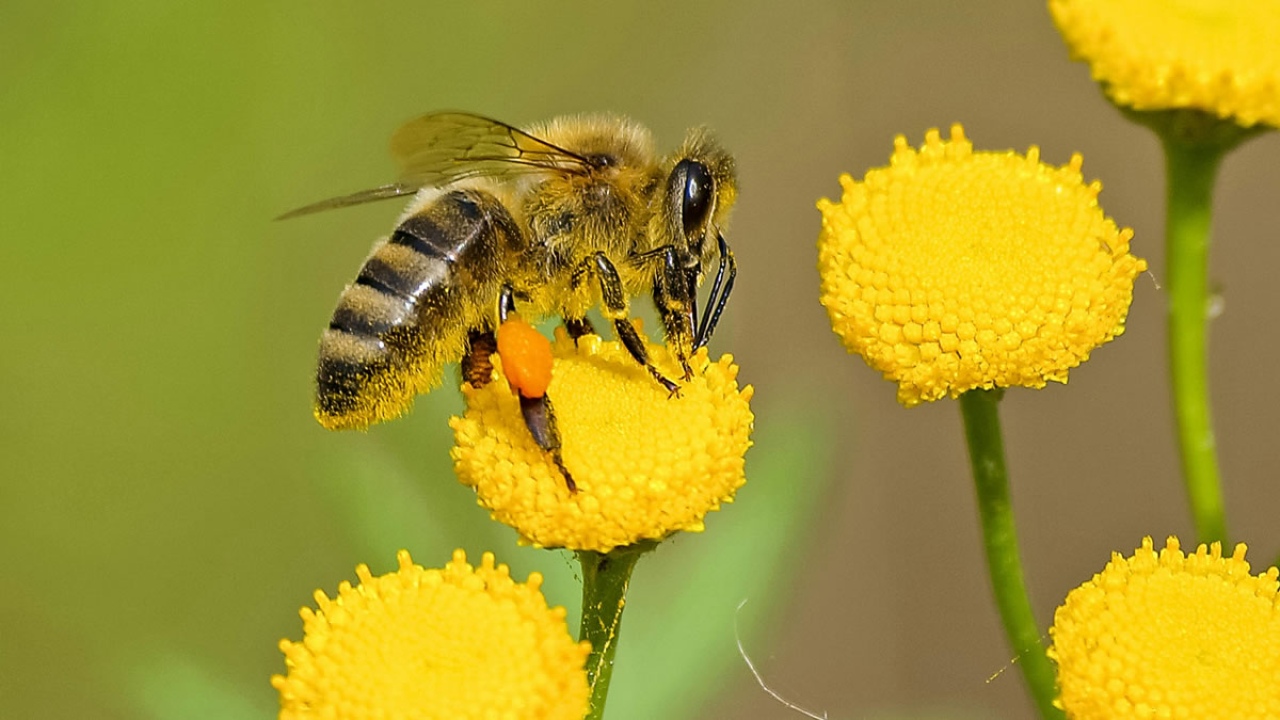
[445, 147]
[382, 192]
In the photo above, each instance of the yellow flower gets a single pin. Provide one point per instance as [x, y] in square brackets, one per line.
[951, 269]
[418, 644]
[1170, 635]
[1210, 55]
[646, 464]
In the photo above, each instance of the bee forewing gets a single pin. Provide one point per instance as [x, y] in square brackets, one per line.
[440, 148]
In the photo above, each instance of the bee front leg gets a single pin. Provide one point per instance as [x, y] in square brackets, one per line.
[675, 295]
[614, 300]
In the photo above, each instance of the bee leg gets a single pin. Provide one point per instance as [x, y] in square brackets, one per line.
[578, 327]
[538, 413]
[615, 309]
[715, 305]
[476, 365]
[674, 295]
[635, 345]
[506, 303]
[540, 418]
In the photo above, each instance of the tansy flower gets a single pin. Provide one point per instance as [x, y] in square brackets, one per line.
[1171, 635]
[452, 643]
[1209, 55]
[646, 463]
[951, 269]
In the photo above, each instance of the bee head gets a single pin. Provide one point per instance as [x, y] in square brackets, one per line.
[701, 189]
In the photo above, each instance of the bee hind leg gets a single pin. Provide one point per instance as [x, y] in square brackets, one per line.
[538, 413]
[476, 366]
[540, 418]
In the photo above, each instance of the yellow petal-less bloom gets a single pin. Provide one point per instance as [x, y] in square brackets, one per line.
[1210, 55]
[951, 270]
[1171, 635]
[423, 644]
[646, 464]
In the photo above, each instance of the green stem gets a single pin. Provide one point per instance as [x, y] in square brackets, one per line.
[1192, 168]
[981, 412]
[605, 577]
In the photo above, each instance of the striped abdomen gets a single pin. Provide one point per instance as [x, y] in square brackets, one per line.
[408, 312]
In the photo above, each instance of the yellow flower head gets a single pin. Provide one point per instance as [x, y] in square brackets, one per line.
[417, 644]
[951, 269]
[646, 463]
[1170, 635]
[1209, 55]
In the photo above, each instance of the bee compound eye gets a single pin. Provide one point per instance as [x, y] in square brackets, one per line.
[698, 189]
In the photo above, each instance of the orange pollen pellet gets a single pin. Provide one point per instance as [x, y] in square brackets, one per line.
[526, 357]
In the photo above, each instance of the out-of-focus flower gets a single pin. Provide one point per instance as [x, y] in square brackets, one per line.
[1218, 57]
[1171, 635]
[457, 643]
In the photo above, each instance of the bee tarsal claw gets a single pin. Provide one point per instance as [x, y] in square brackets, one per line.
[688, 371]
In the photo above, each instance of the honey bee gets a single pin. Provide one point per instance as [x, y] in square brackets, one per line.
[552, 220]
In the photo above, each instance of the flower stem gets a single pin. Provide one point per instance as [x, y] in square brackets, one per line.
[981, 411]
[605, 577]
[1192, 168]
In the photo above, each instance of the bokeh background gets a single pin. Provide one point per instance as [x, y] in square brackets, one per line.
[167, 502]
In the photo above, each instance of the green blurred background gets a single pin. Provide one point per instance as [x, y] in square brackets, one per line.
[167, 503]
